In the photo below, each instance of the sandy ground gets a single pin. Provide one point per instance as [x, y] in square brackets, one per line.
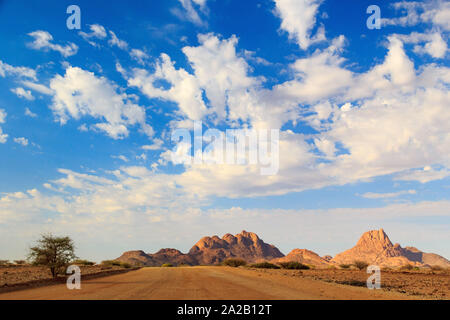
[197, 283]
[17, 275]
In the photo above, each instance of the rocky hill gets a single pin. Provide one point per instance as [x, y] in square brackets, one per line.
[209, 250]
[245, 245]
[375, 247]
[172, 256]
[303, 256]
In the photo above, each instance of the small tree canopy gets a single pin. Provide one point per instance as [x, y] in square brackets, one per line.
[53, 252]
[360, 264]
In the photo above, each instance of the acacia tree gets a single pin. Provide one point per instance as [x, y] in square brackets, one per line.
[53, 252]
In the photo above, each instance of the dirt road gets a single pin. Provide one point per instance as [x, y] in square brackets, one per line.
[202, 283]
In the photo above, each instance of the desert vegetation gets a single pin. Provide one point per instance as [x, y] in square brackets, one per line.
[53, 252]
[116, 263]
[294, 265]
[167, 265]
[264, 265]
[361, 265]
[232, 262]
[82, 262]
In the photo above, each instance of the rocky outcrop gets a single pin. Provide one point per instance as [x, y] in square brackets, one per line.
[209, 250]
[375, 247]
[245, 245]
[172, 256]
[303, 256]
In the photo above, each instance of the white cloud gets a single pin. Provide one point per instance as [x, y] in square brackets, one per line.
[3, 115]
[319, 76]
[191, 11]
[220, 75]
[434, 45]
[22, 93]
[380, 98]
[3, 136]
[97, 31]
[37, 87]
[80, 93]
[435, 12]
[424, 175]
[139, 55]
[251, 56]
[114, 41]
[133, 199]
[298, 18]
[157, 145]
[219, 71]
[184, 87]
[43, 40]
[22, 72]
[373, 195]
[121, 157]
[22, 141]
[29, 113]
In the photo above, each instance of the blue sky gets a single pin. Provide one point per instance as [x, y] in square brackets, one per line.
[86, 118]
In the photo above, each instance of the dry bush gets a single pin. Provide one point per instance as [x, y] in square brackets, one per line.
[167, 265]
[360, 264]
[264, 265]
[232, 262]
[294, 265]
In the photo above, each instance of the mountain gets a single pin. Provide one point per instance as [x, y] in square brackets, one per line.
[209, 250]
[245, 245]
[375, 247]
[303, 256]
[172, 256]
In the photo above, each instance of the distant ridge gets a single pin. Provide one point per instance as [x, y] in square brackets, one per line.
[245, 245]
[209, 250]
[303, 256]
[373, 247]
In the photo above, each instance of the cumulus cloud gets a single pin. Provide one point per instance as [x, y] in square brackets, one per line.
[97, 32]
[219, 71]
[347, 112]
[220, 86]
[3, 136]
[424, 175]
[435, 12]
[44, 41]
[433, 44]
[318, 76]
[156, 145]
[29, 113]
[192, 10]
[115, 41]
[298, 18]
[120, 157]
[22, 141]
[37, 87]
[22, 93]
[21, 72]
[134, 200]
[2, 116]
[139, 55]
[80, 93]
[184, 88]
